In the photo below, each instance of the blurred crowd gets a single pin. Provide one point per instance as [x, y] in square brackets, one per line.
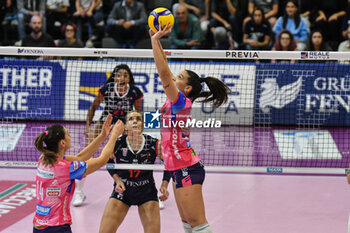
[303, 25]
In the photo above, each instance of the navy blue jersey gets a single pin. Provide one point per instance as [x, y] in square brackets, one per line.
[146, 155]
[257, 32]
[118, 105]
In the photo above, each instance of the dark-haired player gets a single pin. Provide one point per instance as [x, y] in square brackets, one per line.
[135, 187]
[56, 173]
[179, 156]
[119, 95]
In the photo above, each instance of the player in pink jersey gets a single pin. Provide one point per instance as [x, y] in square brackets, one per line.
[179, 157]
[56, 173]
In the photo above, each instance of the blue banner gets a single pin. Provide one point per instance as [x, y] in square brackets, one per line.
[303, 94]
[285, 94]
[31, 89]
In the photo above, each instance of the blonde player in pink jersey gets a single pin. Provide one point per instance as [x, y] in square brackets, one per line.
[56, 173]
[179, 157]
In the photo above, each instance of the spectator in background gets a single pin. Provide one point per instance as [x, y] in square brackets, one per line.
[27, 9]
[199, 8]
[345, 45]
[69, 31]
[330, 18]
[257, 31]
[186, 33]
[346, 23]
[308, 12]
[224, 13]
[292, 21]
[284, 42]
[90, 11]
[269, 8]
[221, 39]
[37, 38]
[126, 22]
[56, 11]
[5, 5]
[317, 43]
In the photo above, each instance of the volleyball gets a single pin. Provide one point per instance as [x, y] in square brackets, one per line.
[160, 17]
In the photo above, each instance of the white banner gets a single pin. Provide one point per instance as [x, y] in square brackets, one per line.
[240, 78]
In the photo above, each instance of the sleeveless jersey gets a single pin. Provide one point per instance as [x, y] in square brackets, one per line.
[54, 191]
[146, 155]
[117, 105]
[176, 145]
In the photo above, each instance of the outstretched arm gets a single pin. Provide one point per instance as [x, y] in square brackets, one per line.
[96, 163]
[162, 64]
[91, 112]
[91, 149]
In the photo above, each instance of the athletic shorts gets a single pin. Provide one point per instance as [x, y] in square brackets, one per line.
[54, 229]
[187, 176]
[137, 195]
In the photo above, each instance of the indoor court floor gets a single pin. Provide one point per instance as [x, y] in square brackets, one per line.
[242, 203]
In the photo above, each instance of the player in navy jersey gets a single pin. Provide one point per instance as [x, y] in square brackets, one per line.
[135, 187]
[120, 95]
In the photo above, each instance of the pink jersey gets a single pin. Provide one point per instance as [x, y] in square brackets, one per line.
[54, 191]
[176, 145]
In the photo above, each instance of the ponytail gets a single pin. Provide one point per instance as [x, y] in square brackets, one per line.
[217, 89]
[51, 137]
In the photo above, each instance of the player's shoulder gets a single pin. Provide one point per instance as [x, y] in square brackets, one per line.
[133, 87]
[122, 139]
[107, 86]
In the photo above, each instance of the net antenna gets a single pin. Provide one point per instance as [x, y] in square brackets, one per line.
[288, 112]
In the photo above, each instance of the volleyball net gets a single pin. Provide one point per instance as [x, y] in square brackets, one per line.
[287, 112]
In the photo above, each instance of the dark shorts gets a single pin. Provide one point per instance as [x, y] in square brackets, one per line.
[187, 176]
[54, 229]
[137, 195]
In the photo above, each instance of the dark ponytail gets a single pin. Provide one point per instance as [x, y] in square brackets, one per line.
[217, 89]
[51, 137]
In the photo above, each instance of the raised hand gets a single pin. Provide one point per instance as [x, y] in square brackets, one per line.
[106, 128]
[118, 128]
[162, 32]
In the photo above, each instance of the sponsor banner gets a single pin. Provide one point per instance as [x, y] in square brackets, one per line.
[17, 200]
[9, 135]
[31, 89]
[303, 94]
[92, 75]
[301, 144]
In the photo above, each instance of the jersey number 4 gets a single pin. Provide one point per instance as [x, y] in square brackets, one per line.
[134, 173]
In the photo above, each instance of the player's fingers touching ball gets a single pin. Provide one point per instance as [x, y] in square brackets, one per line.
[159, 18]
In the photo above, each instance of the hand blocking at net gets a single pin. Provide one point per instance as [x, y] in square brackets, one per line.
[181, 160]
